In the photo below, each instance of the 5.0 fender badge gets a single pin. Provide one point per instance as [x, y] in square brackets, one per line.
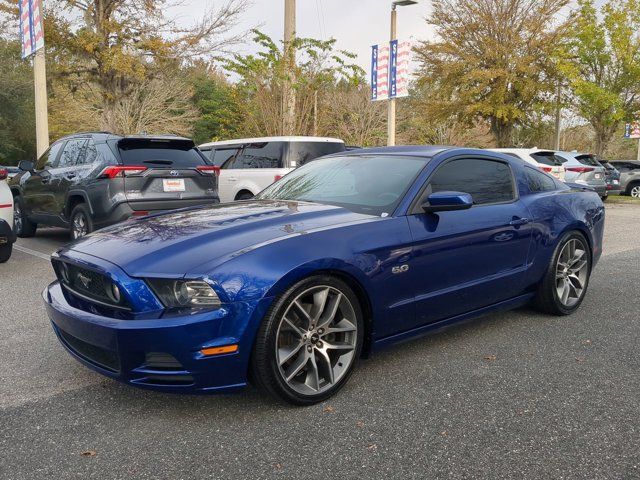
[400, 269]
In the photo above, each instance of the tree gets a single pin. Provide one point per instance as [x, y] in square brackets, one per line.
[262, 76]
[601, 61]
[492, 61]
[17, 114]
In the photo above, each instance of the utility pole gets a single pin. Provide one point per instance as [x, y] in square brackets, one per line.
[40, 82]
[391, 103]
[288, 94]
[558, 116]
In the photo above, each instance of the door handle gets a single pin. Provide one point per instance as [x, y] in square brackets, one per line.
[232, 179]
[516, 222]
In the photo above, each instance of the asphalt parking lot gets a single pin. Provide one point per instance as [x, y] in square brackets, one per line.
[513, 395]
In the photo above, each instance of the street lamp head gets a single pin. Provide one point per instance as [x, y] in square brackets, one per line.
[404, 3]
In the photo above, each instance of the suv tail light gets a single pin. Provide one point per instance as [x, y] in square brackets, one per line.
[209, 170]
[120, 171]
[579, 169]
[546, 169]
[4, 173]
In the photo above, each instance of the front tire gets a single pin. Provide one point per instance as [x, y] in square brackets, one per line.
[565, 283]
[81, 223]
[5, 252]
[23, 227]
[309, 342]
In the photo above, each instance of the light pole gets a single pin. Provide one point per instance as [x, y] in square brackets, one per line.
[391, 109]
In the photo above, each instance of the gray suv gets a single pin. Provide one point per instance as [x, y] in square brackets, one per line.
[584, 168]
[90, 180]
[629, 176]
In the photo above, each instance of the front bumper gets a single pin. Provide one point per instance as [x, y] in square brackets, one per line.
[129, 350]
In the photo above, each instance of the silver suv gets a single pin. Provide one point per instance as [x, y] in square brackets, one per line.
[629, 176]
[584, 168]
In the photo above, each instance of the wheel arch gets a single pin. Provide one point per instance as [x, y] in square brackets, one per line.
[74, 198]
[630, 185]
[241, 191]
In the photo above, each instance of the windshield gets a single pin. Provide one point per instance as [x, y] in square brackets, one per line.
[364, 184]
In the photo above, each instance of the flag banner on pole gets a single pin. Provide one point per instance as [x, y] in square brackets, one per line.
[632, 130]
[380, 72]
[401, 79]
[31, 31]
[390, 68]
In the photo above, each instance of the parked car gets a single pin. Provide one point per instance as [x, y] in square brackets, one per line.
[584, 168]
[612, 178]
[90, 180]
[250, 165]
[11, 171]
[7, 236]
[629, 176]
[345, 255]
[545, 160]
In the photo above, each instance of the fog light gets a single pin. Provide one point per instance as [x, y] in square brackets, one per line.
[113, 292]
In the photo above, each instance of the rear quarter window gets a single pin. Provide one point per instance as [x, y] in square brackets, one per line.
[160, 153]
[303, 152]
[538, 181]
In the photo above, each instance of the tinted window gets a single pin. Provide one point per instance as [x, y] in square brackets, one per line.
[538, 181]
[48, 158]
[589, 160]
[160, 153]
[546, 158]
[303, 152]
[73, 150]
[369, 184]
[90, 153]
[487, 181]
[220, 156]
[259, 155]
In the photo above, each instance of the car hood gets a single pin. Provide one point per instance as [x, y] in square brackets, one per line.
[172, 244]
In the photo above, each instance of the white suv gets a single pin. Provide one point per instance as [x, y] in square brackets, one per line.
[7, 236]
[545, 160]
[249, 165]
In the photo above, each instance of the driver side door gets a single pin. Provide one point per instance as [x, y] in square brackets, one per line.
[468, 259]
[37, 191]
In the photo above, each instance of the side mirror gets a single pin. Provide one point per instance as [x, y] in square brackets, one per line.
[26, 165]
[447, 201]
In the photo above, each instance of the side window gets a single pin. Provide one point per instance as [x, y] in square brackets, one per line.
[48, 158]
[219, 156]
[303, 152]
[538, 181]
[488, 181]
[89, 153]
[72, 152]
[260, 155]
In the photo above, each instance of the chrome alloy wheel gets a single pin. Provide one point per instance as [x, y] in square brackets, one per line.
[572, 272]
[316, 340]
[17, 217]
[79, 227]
[635, 191]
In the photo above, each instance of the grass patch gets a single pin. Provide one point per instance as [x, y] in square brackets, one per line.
[623, 199]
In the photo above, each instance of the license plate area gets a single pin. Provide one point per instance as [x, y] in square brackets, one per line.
[173, 184]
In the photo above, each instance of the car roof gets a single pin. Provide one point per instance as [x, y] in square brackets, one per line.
[113, 136]
[410, 150]
[290, 139]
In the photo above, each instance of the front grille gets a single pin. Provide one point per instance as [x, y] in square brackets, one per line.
[88, 285]
[99, 356]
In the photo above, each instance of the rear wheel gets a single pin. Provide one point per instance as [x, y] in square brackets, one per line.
[309, 341]
[23, 227]
[634, 191]
[244, 196]
[564, 285]
[81, 223]
[5, 252]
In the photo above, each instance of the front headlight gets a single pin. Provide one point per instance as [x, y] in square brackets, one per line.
[184, 293]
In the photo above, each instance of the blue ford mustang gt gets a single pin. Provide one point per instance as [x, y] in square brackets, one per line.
[345, 255]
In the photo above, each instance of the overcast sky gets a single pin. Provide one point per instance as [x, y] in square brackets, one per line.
[355, 24]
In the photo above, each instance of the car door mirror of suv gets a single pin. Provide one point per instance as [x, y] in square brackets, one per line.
[447, 201]
[26, 165]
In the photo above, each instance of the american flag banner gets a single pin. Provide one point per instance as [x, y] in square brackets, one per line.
[380, 72]
[31, 31]
[401, 77]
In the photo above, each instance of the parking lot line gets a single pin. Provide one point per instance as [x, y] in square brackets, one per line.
[28, 251]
